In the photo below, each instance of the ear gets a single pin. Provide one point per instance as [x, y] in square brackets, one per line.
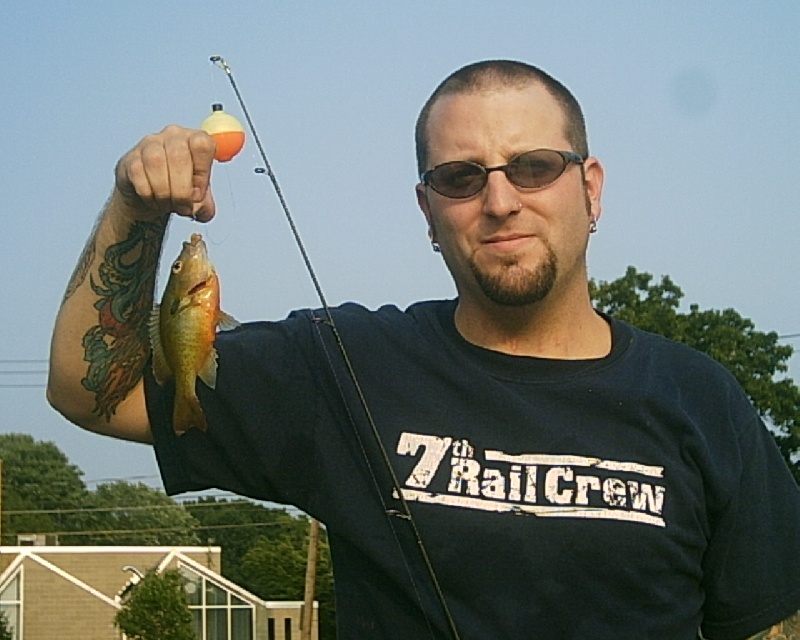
[593, 183]
[425, 206]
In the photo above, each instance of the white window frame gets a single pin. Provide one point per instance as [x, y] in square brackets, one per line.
[203, 607]
[19, 628]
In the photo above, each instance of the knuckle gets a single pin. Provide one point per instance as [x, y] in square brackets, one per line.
[173, 130]
[201, 142]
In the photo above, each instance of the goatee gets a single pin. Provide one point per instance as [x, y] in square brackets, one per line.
[515, 286]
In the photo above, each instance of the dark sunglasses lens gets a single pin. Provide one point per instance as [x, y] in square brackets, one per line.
[457, 179]
[536, 168]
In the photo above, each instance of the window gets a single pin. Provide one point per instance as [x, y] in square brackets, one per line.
[11, 604]
[287, 629]
[217, 613]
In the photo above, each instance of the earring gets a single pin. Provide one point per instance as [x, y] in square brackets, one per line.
[435, 246]
[593, 225]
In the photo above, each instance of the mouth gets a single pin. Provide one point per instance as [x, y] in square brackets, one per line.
[197, 288]
[508, 242]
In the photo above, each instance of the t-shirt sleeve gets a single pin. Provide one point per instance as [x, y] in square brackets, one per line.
[752, 565]
[262, 416]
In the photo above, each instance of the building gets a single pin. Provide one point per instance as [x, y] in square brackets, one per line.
[73, 593]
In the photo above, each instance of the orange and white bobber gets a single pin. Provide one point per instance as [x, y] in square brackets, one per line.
[227, 132]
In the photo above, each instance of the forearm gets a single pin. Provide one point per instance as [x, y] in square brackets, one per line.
[100, 341]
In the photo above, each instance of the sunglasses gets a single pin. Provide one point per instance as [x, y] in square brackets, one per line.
[530, 170]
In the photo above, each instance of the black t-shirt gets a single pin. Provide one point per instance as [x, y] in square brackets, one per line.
[632, 496]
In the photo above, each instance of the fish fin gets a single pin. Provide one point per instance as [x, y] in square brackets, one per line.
[208, 372]
[161, 369]
[227, 322]
[188, 413]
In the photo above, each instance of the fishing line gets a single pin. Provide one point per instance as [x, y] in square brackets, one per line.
[404, 513]
[232, 217]
[216, 93]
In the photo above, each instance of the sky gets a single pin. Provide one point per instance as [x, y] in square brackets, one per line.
[691, 107]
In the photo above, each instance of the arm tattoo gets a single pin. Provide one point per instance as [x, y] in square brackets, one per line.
[789, 629]
[117, 347]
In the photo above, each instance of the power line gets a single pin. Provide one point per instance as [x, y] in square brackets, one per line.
[23, 386]
[16, 367]
[152, 507]
[120, 479]
[22, 373]
[184, 529]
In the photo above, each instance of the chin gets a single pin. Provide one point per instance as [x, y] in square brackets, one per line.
[516, 286]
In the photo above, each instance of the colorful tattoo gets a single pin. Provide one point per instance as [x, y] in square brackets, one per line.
[789, 629]
[117, 348]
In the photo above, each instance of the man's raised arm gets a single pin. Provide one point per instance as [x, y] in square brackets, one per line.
[100, 340]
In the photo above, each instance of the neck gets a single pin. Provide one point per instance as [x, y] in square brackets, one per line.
[566, 331]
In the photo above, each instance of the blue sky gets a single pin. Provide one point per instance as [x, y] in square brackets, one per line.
[692, 107]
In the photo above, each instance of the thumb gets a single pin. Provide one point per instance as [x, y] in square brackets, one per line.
[202, 147]
[204, 210]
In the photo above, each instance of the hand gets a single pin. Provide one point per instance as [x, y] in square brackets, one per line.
[169, 172]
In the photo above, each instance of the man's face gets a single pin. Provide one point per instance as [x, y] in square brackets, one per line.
[509, 245]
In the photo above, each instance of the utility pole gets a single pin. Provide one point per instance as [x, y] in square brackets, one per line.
[311, 579]
[1, 502]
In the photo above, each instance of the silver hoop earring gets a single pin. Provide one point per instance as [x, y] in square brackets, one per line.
[593, 225]
[435, 246]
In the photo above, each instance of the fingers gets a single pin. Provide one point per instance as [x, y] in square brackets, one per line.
[169, 172]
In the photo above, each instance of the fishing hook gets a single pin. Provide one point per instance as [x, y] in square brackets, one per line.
[404, 512]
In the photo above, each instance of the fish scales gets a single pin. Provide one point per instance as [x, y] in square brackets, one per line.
[183, 328]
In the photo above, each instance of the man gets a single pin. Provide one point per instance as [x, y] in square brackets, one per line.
[565, 473]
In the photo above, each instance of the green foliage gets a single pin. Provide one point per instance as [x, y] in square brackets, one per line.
[234, 525]
[37, 476]
[755, 358]
[157, 609]
[141, 514]
[275, 567]
[5, 627]
[269, 557]
[43, 492]
[264, 550]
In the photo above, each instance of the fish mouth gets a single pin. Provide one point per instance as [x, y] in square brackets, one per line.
[198, 287]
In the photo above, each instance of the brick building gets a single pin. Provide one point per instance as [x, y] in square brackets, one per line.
[73, 593]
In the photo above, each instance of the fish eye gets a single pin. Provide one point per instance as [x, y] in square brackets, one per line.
[176, 266]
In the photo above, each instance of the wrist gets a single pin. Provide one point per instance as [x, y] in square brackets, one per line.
[126, 213]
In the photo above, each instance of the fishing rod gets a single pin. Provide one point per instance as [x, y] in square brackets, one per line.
[404, 512]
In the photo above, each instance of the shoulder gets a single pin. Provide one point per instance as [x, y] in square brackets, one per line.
[389, 318]
[669, 356]
[689, 377]
[392, 313]
[362, 330]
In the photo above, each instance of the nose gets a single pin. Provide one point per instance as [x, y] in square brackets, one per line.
[500, 197]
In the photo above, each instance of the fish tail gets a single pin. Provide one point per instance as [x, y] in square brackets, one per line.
[187, 414]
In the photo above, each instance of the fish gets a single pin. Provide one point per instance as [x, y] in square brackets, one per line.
[183, 329]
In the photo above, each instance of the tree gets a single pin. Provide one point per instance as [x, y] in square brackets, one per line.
[6, 632]
[275, 567]
[264, 550]
[43, 492]
[236, 526]
[756, 359]
[142, 515]
[37, 477]
[157, 609]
